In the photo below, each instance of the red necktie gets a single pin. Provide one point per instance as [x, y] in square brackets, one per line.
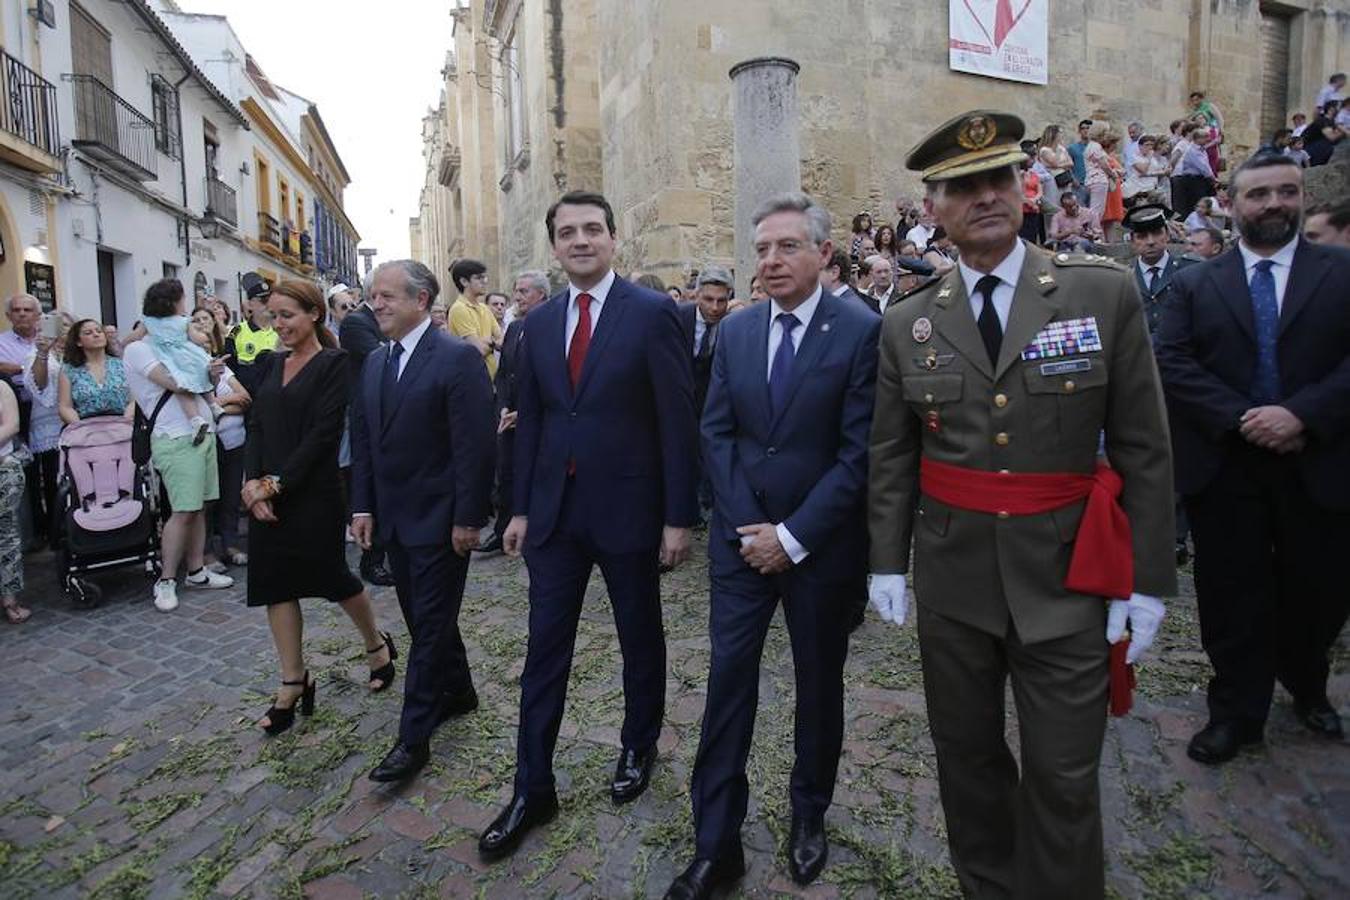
[581, 340]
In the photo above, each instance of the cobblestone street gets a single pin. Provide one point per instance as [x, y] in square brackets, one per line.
[130, 766]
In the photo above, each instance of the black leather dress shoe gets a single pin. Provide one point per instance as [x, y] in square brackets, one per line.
[1218, 742]
[632, 774]
[373, 571]
[1320, 718]
[807, 848]
[1183, 553]
[706, 875]
[508, 829]
[402, 762]
[466, 701]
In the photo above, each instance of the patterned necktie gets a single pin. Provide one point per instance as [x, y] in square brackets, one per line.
[1266, 312]
[581, 339]
[1152, 280]
[781, 372]
[389, 383]
[991, 330]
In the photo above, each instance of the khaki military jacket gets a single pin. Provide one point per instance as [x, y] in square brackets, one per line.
[938, 396]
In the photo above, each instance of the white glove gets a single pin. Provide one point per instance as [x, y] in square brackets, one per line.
[887, 596]
[1144, 614]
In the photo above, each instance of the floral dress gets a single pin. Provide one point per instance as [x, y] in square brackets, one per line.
[93, 399]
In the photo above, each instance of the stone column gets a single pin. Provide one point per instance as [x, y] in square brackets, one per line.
[768, 152]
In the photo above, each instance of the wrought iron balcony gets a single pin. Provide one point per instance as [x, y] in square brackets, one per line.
[220, 201]
[28, 107]
[269, 230]
[306, 249]
[113, 131]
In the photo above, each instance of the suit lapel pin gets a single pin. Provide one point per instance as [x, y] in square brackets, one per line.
[825, 327]
[1045, 278]
[922, 330]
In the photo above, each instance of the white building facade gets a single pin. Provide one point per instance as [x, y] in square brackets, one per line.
[123, 161]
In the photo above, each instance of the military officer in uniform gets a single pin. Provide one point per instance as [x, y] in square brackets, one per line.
[1032, 555]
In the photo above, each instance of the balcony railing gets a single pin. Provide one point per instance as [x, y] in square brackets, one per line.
[220, 201]
[269, 230]
[306, 249]
[113, 131]
[28, 105]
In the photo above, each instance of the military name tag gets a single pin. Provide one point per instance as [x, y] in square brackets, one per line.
[1066, 366]
[1064, 339]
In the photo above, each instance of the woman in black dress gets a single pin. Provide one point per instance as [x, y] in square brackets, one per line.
[296, 543]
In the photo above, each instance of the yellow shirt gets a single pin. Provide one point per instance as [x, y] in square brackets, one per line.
[475, 320]
[250, 341]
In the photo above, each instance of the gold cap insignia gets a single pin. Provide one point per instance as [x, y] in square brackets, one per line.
[977, 133]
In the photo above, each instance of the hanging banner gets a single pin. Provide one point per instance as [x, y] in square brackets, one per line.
[1006, 39]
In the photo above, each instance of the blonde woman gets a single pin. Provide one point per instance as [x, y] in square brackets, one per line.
[1101, 177]
[1057, 161]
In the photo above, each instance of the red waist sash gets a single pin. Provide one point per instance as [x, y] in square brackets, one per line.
[1103, 550]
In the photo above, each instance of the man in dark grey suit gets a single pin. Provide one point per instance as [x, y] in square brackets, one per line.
[834, 278]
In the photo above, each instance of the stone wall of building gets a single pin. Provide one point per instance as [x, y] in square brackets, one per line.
[646, 110]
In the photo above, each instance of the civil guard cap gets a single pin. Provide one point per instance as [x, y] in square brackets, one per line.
[1147, 217]
[975, 141]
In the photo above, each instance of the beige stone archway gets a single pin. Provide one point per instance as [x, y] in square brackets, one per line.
[11, 269]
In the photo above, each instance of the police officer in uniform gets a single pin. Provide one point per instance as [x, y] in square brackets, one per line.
[254, 335]
[1032, 556]
[1153, 266]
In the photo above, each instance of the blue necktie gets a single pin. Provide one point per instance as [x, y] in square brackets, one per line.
[389, 383]
[781, 372]
[1266, 311]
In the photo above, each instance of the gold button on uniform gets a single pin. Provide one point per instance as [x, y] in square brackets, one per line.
[1069, 386]
[1001, 439]
[1000, 400]
[927, 398]
[1003, 514]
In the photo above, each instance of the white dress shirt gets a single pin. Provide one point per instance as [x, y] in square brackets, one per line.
[1160, 265]
[804, 313]
[598, 295]
[886, 299]
[409, 342]
[1283, 260]
[1007, 273]
[920, 234]
[839, 291]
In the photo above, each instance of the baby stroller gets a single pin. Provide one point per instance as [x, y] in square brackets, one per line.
[105, 507]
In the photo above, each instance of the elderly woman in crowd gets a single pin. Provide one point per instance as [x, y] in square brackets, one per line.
[11, 495]
[223, 522]
[92, 383]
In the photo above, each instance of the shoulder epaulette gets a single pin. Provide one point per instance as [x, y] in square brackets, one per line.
[1087, 259]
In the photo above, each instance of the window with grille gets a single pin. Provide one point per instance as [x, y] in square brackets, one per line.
[164, 102]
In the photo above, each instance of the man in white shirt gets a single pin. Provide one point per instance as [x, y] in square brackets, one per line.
[922, 233]
[1334, 89]
[1131, 150]
[187, 469]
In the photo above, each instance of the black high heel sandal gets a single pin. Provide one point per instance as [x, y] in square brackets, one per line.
[281, 718]
[386, 672]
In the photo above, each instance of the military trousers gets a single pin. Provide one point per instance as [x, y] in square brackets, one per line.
[1034, 832]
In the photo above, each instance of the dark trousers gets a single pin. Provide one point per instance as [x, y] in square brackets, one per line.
[743, 604]
[559, 571]
[42, 475]
[430, 586]
[1271, 594]
[506, 481]
[1033, 227]
[1037, 833]
[225, 524]
[1188, 190]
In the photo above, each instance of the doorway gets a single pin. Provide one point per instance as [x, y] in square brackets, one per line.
[107, 288]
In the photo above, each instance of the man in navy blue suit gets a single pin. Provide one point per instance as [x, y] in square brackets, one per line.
[785, 442]
[605, 476]
[1254, 353]
[422, 455]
